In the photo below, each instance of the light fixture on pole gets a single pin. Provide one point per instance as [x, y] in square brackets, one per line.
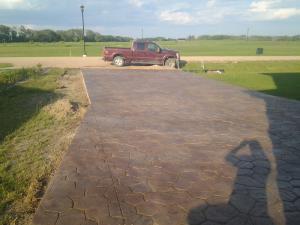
[83, 34]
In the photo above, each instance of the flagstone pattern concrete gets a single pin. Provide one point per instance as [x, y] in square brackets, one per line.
[172, 148]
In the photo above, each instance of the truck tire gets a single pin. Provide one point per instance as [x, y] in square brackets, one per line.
[170, 62]
[119, 61]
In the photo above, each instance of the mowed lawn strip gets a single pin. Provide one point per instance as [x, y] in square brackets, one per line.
[233, 47]
[39, 113]
[274, 78]
[186, 48]
[6, 65]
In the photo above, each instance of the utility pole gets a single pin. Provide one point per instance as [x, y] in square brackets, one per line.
[142, 33]
[248, 29]
[83, 33]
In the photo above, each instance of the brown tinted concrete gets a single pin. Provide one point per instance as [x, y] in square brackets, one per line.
[171, 148]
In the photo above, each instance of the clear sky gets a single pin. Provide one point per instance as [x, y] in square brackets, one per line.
[169, 18]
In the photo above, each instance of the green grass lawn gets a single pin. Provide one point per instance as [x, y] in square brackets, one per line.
[274, 78]
[6, 65]
[36, 126]
[234, 47]
[54, 49]
[186, 48]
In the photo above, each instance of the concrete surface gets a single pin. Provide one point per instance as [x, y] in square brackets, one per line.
[171, 148]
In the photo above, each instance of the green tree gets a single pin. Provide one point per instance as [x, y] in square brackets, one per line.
[4, 33]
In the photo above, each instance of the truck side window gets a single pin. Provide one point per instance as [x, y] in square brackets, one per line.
[152, 47]
[140, 46]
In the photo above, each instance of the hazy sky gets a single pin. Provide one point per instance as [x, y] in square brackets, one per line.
[169, 18]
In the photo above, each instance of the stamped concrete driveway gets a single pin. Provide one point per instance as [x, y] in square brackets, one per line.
[171, 148]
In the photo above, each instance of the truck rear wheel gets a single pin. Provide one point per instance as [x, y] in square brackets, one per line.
[119, 61]
[170, 62]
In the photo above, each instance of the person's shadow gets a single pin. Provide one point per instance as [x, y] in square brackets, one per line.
[248, 201]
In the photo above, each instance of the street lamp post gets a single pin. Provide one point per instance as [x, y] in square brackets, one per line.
[83, 34]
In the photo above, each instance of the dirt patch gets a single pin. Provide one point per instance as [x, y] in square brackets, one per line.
[72, 85]
[80, 62]
[74, 102]
[59, 109]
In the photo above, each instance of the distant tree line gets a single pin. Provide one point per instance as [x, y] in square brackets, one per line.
[160, 39]
[23, 34]
[243, 37]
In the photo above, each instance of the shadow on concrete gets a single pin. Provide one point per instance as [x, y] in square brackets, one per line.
[284, 132]
[248, 200]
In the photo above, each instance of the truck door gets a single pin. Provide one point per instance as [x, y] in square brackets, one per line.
[153, 53]
[139, 52]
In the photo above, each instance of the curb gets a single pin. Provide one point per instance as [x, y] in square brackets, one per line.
[86, 91]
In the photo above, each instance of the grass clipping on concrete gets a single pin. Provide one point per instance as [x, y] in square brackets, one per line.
[40, 110]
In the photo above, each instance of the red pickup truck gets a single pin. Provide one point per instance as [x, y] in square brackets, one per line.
[142, 52]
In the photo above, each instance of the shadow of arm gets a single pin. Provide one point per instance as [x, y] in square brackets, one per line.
[231, 156]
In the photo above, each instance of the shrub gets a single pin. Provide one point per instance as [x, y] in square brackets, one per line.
[9, 78]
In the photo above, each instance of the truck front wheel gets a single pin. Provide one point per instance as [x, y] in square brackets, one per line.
[119, 61]
[170, 62]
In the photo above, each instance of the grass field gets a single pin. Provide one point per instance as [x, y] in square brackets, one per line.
[186, 48]
[274, 78]
[39, 113]
[5, 65]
